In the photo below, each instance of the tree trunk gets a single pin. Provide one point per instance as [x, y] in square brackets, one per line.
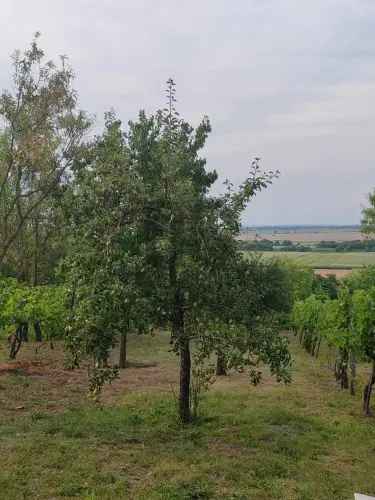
[15, 342]
[341, 371]
[317, 350]
[179, 333]
[300, 336]
[180, 338]
[344, 378]
[221, 364]
[185, 373]
[337, 370]
[38, 331]
[24, 331]
[36, 251]
[353, 374]
[367, 392]
[123, 350]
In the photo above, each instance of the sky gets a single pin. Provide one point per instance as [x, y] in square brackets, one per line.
[290, 81]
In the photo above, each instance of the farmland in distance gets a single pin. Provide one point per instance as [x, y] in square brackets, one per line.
[303, 234]
[323, 262]
[329, 260]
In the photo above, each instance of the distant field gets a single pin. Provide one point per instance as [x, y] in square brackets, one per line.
[304, 234]
[327, 260]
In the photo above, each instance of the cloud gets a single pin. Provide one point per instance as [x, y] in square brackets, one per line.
[291, 81]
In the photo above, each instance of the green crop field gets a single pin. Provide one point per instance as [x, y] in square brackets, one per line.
[328, 260]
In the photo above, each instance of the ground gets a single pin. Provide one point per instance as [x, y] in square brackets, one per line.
[304, 441]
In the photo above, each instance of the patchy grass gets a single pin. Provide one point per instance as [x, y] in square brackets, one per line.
[305, 441]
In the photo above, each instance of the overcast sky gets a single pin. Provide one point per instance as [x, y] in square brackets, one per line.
[291, 81]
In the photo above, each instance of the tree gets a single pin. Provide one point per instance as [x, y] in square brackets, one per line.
[364, 326]
[39, 141]
[301, 280]
[154, 249]
[193, 236]
[107, 267]
[336, 327]
[255, 293]
[305, 319]
[368, 216]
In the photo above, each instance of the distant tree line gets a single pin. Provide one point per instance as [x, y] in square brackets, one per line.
[265, 245]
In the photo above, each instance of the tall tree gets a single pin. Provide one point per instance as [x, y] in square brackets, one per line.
[154, 248]
[195, 236]
[41, 135]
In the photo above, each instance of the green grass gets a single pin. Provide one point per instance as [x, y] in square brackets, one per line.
[304, 441]
[327, 260]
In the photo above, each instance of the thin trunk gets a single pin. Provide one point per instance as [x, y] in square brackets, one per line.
[318, 347]
[180, 337]
[337, 370]
[24, 330]
[301, 334]
[344, 377]
[15, 342]
[185, 373]
[36, 250]
[38, 331]
[342, 369]
[221, 364]
[367, 392]
[123, 350]
[353, 374]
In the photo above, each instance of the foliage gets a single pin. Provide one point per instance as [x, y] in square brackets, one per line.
[326, 286]
[41, 133]
[107, 269]
[368, 216]
[21, 304]
[347, 323]
[152, 248]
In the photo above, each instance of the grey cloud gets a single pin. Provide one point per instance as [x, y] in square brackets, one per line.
[290, 81]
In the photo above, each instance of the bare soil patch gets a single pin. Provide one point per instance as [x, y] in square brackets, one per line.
[339, 273]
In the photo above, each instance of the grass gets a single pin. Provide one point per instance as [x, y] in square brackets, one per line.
[327, 260]
[304, 441]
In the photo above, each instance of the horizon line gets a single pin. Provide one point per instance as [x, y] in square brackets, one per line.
[256, 226]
